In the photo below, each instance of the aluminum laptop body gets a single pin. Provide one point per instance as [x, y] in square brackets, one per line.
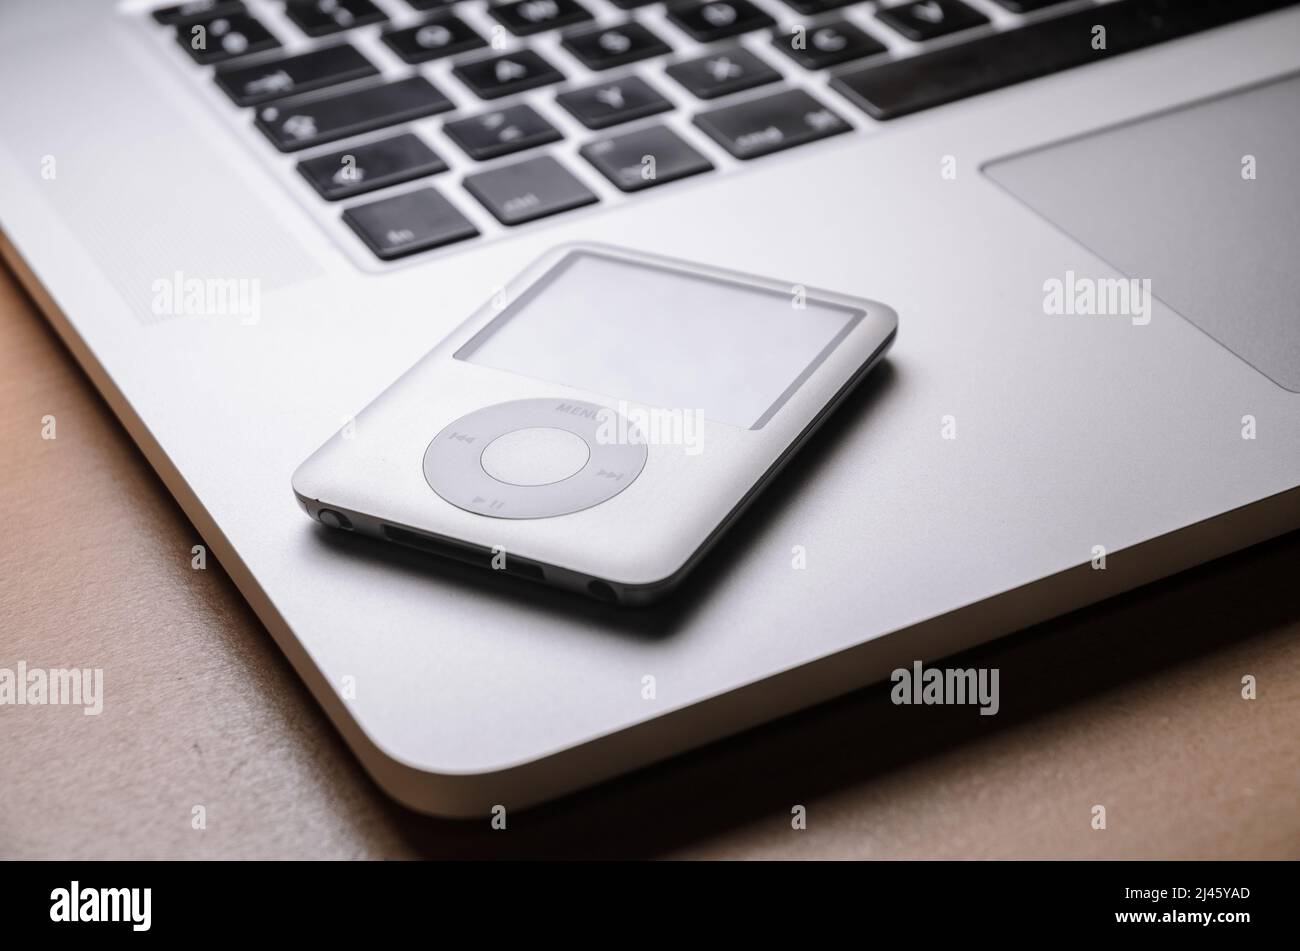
[975, 484]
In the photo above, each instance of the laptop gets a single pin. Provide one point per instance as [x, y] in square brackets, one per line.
[247, 219]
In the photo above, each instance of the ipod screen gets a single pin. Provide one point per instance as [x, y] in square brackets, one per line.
[663, 337]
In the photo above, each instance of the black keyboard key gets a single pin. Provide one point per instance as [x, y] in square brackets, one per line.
[407, 223]
[217, 38]
[502, 132]
[632, 4]
[423, 5]
[642, 159]
[991, 62]
[813, 7]
[832, 43]
[718, 19]
[251, 85]
[374, 165]
[612, 102]
[528, 190]
[506, 74]
[762, 126]
[301, 123]
[444, 36]
[526, 17]
[927, 19]
[196, 10]
[614, 45]
[323, 17]
[723, 72]
[1026, 6]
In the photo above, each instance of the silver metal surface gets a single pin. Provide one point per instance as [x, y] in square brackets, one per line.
[1070, 433]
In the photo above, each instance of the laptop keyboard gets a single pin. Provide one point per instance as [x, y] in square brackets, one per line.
[547, 106]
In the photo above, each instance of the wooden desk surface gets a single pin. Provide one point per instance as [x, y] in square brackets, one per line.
[1135, 705]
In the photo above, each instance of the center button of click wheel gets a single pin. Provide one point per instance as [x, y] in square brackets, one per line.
[535, 456]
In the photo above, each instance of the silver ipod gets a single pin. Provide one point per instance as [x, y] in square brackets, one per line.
[600, 422]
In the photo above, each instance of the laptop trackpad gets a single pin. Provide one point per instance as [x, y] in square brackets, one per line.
[1204, 201]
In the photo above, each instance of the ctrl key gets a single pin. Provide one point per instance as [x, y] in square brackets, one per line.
[408, 223]
[528, 190]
